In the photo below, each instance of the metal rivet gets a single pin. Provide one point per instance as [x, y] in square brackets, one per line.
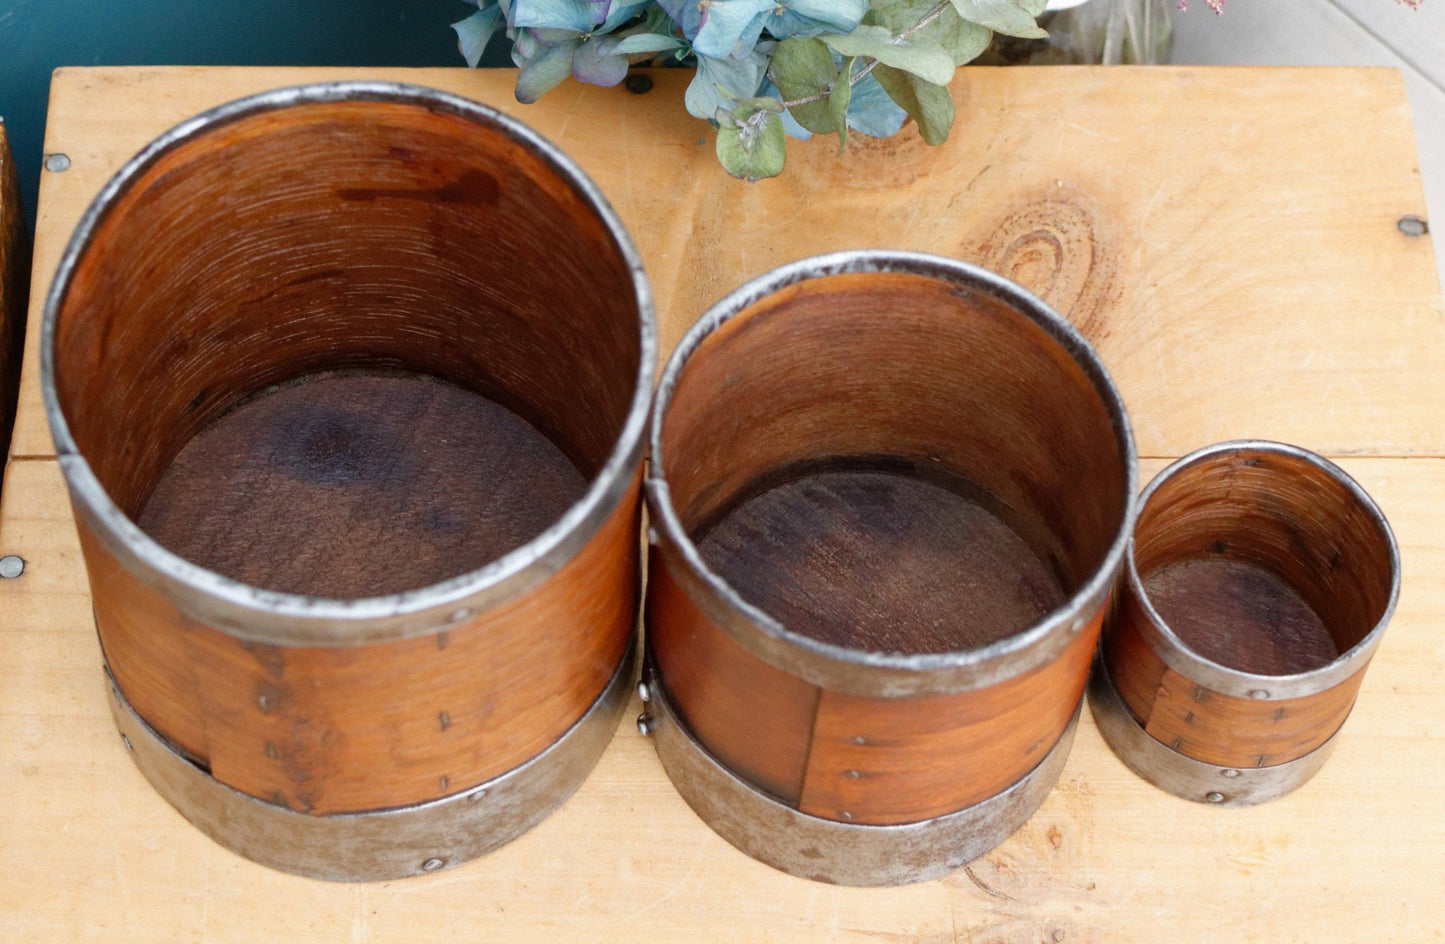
[128, 745]
[1413, 225]
[11, 566]
[858, 739]
[271, 751]
[445, 719]
[458, 615]
[1259, 693]
[264, 703]
[57, 163]
[645, 724]
[846, 815]
[1214, 797]
[476, 795]
[1230, 773]
[852, 774]
[639, 84]
[644, 694]
[431, 865]
[652, 537]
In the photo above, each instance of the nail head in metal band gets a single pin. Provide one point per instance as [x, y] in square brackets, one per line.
[1233, 682]
[265, 616]
[826, 850]
[386, 844]
[1184, 776]
[879, 674]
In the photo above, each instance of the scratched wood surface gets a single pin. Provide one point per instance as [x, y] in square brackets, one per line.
[1227, 237]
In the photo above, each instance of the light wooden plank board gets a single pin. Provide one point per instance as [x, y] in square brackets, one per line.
[1234, 290]
[1227, 237]
[1337, 33]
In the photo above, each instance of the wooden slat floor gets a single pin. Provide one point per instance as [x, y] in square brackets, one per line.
[1337, 32]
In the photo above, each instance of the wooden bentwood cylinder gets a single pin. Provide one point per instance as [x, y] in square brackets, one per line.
[349, 384]
[1258, 585]
[890, 494]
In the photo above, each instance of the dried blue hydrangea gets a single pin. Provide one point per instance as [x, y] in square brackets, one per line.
[765, 69]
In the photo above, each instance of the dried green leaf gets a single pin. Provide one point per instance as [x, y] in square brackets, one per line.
[963, 40]
[922, 57]
[838, 101]
[804, 69]
[1001, 16]
[930, 106]
[757, 148]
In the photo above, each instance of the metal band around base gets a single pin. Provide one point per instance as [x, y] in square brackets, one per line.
[826, 850]
[1184, 776]
[385, 844]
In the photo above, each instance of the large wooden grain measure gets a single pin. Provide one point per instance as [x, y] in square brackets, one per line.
[368, 365]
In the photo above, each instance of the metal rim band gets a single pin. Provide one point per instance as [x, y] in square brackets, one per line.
[878, 674]
[826, 850]
[1234, 682]
[1184, 776]
[385, 844]
[257, 615]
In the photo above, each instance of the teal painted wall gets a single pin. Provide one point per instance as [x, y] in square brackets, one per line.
[38, 36]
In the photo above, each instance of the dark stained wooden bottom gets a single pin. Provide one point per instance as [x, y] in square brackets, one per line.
[881, 562]
[1241, 616]
[354, 484]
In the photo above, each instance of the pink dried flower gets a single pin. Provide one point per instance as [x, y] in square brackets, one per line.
[1218, 5]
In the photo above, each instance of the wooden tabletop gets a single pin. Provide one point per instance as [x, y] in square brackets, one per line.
[1230, 240]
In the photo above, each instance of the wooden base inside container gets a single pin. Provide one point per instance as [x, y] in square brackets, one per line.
[1241, 616]
[357, 484]
[881, 562]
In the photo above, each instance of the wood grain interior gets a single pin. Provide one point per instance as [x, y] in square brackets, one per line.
[1281, 515]
[841, 449]
[898, 367]
[336, 236]
[881, 561]
[1271, 629]
[346, 484]
[386, 242]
